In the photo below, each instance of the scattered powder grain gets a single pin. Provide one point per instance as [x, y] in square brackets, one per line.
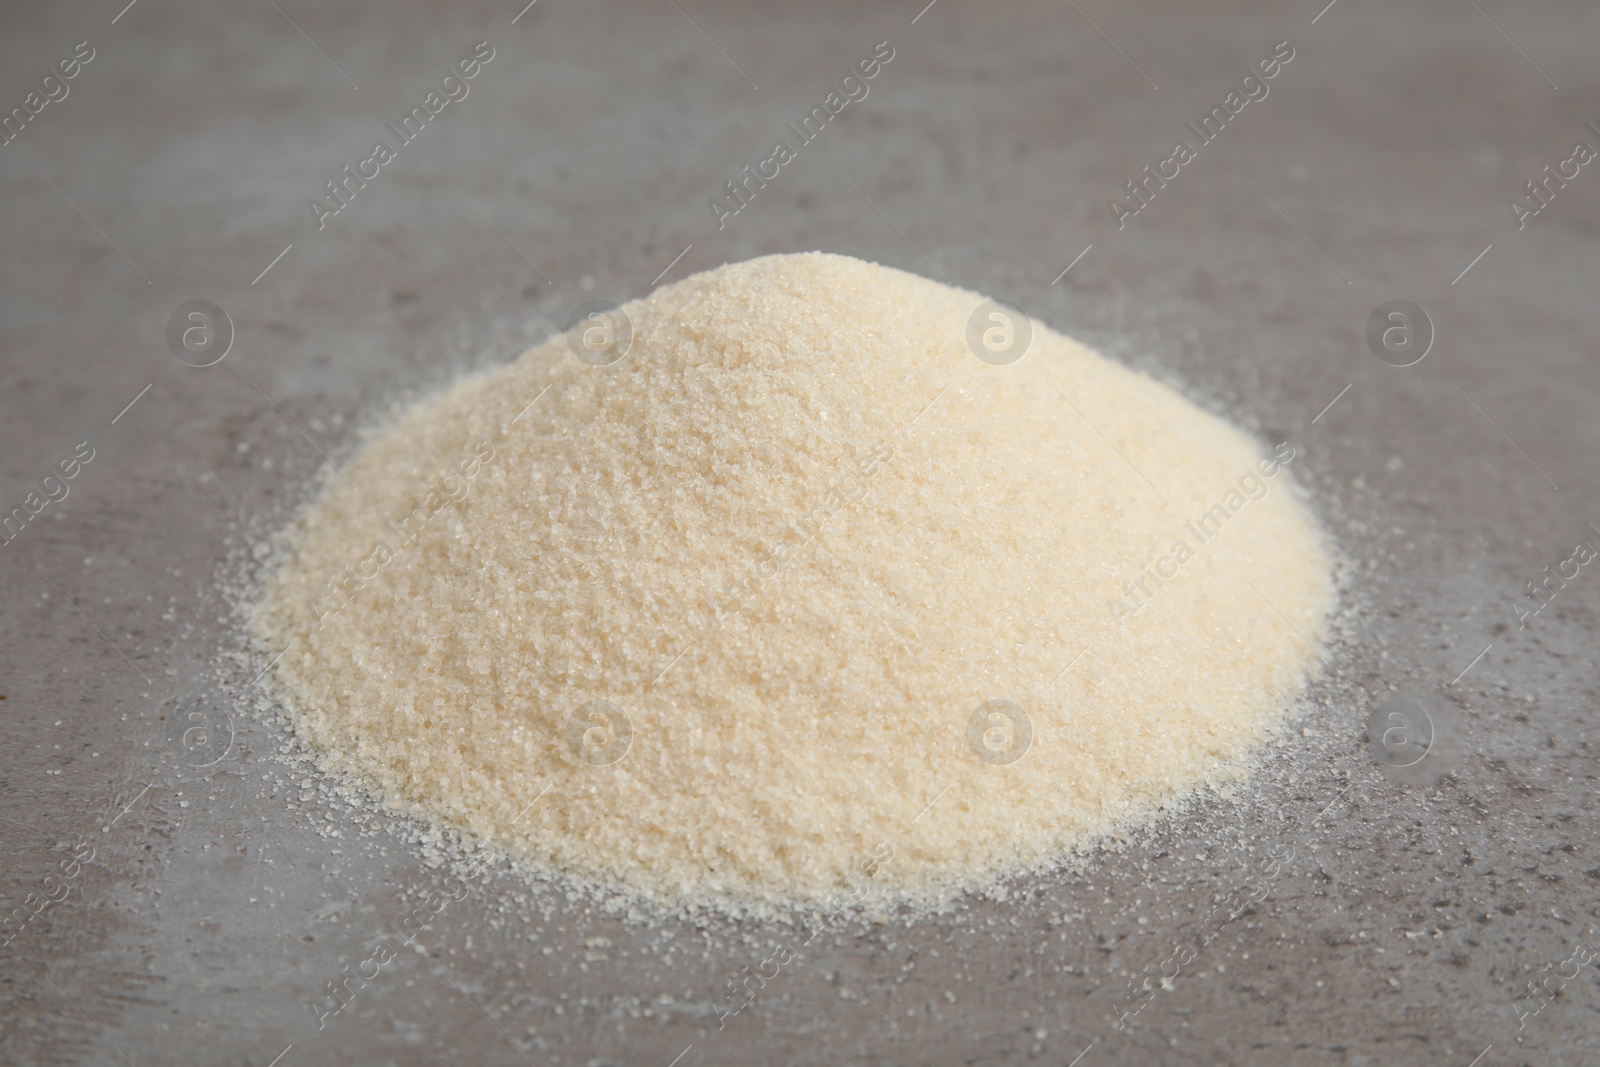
[796, 592]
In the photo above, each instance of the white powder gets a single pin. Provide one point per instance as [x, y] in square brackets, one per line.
[782, 558]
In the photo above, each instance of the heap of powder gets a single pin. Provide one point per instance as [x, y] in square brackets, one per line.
[796, 592]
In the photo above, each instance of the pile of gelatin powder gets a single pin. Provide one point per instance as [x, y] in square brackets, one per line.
[797, 591]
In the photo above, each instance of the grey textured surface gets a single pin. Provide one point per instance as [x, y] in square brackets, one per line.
[221, 899]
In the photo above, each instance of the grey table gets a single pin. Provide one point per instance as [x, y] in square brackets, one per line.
[186, 893]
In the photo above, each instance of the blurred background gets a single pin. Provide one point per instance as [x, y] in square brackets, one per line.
[1384, 253]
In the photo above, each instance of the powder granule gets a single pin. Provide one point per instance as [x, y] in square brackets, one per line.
[796, 592]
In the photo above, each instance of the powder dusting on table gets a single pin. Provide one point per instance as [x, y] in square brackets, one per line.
[796, 592]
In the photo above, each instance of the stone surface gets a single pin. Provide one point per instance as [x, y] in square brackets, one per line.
[216, 907]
